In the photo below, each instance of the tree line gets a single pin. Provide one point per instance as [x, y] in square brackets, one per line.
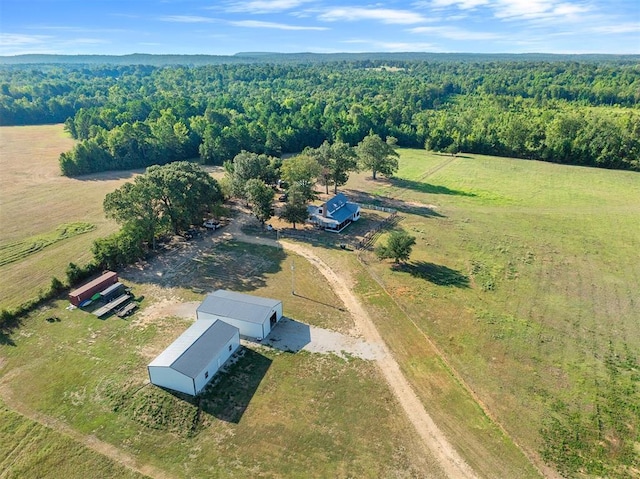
[135, 116]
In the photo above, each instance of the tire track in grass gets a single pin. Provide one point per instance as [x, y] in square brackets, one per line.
[18, 250]
[92, 442]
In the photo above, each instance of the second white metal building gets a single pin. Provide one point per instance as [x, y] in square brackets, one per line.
[254, 316]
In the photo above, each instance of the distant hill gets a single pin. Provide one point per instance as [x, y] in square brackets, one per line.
[270, 57]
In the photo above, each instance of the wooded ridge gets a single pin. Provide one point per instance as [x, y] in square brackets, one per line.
[128, 116]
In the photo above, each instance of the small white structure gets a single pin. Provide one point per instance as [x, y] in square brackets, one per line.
[252, 315]
[334, 214]
[191, 361]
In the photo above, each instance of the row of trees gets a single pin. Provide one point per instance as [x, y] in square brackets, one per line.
[126, 117]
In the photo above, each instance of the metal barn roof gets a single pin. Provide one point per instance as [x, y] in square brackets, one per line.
[111, 289]
[108, 276]
[190, 353]
[244, 307]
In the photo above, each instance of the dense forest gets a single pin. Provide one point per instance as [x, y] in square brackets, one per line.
[131, 116]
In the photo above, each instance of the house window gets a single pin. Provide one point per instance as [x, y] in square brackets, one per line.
[206, 374]
[230, 347]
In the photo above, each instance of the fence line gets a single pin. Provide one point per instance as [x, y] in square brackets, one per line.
[377, 208]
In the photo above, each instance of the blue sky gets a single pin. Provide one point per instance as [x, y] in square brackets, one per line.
[324, 26]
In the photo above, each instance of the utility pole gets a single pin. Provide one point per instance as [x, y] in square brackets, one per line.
[293, 269]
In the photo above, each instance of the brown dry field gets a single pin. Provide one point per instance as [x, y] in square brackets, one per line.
[35, 199]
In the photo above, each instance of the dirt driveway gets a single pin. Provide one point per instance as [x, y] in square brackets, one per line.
[296, 335]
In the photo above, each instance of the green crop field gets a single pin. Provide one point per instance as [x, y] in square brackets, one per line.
[526, 276]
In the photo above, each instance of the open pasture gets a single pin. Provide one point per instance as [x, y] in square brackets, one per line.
[273, 413]
[527, 280]
[35, 200]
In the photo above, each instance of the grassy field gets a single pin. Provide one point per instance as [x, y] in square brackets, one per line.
[29, 449]
[516, 318]
[36, 201]
[527, 279]
[276, 414]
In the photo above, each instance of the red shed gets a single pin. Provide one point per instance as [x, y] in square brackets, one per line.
[85, 291]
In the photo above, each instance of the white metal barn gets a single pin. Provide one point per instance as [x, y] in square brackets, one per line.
[252, 315]
[191, 361]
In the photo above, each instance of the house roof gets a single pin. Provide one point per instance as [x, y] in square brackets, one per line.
[190, 353]
[244, 307]
[336, 203]
[345, 212]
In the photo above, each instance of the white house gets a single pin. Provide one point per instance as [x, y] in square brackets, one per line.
[334, 214]
[191, 361]
[252, 315]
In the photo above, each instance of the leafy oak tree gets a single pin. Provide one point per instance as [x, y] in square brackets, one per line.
[301, 173]
[167, 198]
[337, 160]
[260, 197]
[377, 155]
[295, 210]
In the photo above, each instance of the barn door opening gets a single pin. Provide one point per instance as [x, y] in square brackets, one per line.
[273, 319]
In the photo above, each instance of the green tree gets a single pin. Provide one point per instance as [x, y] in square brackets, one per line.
[185, 192]
[246, 166]
[260, 197]
[398, 247]
[166, 198]
[295, 210]
[301, 173]
[337, 161]
[118, 249]
[137, 204]
[377, 156]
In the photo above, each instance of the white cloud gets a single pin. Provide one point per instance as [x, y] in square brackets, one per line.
[186, 19]
[278, 26]
[375, 45]
[462, 4]
[86, 41]
[20, 40]
[264, 6]
[515, 9]
[631, 27]
[454, 33]
[383, 15]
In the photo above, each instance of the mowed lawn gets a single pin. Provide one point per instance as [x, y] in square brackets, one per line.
[273, 414]
[35, 200]
[526, 276]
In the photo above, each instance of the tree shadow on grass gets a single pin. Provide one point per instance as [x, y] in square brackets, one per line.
[5, 339]
[400, 205]
[6, 331]
[204, 266]
[427, 187]
[230, 394]
[435, 273]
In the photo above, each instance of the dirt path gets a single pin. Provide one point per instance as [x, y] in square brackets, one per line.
[92, 442]
[453, 465]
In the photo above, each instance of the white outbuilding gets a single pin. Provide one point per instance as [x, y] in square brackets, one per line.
[191, 361]
[252, 315]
